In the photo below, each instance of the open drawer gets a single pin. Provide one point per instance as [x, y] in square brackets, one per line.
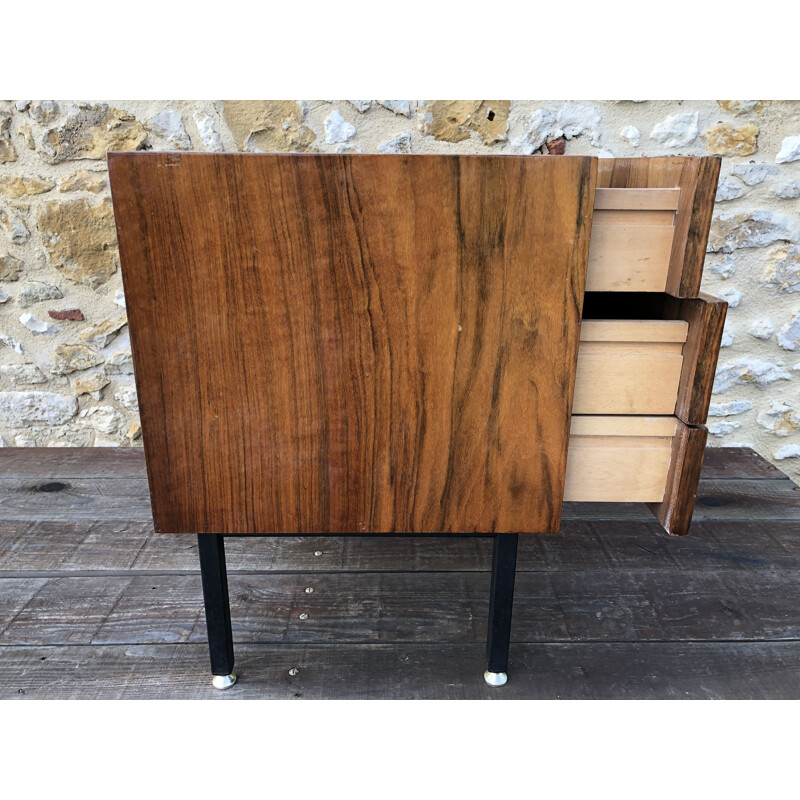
[629, 366]
[653, 460]
[649, 354]
[650, 224]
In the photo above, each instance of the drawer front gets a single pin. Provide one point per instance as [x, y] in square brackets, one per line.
[629, 366]
[619, 459]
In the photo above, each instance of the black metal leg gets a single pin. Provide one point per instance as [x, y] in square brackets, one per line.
[218, 609]
[501, 601]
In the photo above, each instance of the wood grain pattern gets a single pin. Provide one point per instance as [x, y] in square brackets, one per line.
[354, 343]
[674, 512]
[697, 180]
[706, 318]
[623, 199]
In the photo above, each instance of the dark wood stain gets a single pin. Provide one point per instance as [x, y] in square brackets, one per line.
[353, 343]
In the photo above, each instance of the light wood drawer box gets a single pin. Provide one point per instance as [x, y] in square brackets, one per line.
[630, 459]
[629, 366]
[650, 224]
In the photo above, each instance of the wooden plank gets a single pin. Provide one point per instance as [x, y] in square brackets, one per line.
[588, 671]
[738, 462]
[629, 258]
[46, 549]
[86, 499]
[674, 511]
[563, 605]
[357, 292]
[619, 383]
[127, 502]
[46, 464]
[637, 199]
[622, 426]
[634, 330]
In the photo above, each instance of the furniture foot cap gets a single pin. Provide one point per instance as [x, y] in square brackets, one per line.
[224, 681]
[495, 678]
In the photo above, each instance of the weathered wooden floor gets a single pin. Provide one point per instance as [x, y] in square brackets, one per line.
[93, 604]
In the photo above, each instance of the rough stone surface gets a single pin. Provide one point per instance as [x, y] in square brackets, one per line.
[101, 334]
[753, 174]
[208, 132]
[38, 326]
[336, 129]
[731, 296]
[756, 224]
[8, 152]
[90, 133]
[677, 130]
[89, 383]
[80, 239]
[36, 292]
[121, 363]
[126, 395]
[11, 343]
[361, 105]
[730, 189]
[18, 231]
[748, 371]
[18, 186]
[102, 419]
[723, 428]
[761, 328]
[756, 229]
[723, 139]
[787, 451]
[10, 267]
[269, 126]
[402, 107]
[399, 144]
[789, 191]
[725, 269]
[69, 358]
[23, 374]
[742, 106]
[72, 314]
[83, 181]
[780, 419]
[789, 336]
[790, 150]
[783, 272]
[169, 125]
[455, 120]
[19, 409]
[631, 134]
[729, 409]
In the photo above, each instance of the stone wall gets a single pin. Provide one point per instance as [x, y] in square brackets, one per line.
[65, 365]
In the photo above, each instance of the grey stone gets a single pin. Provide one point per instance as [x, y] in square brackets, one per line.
[400, 144]
[789, 336]
[19, 409]
[730, 409]
[36, 292]
[783, 274]
[729, 189]
[747, 371]
[757, 229]
[23, 373]
[169, 125]
[753, 174]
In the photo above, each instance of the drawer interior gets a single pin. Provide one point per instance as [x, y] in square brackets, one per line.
[616, 459]
[629, 366]
[632, 237]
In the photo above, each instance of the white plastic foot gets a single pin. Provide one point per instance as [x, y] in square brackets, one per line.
[495, 678]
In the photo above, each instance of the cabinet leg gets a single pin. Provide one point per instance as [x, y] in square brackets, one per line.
[501, 601]
[218, 609]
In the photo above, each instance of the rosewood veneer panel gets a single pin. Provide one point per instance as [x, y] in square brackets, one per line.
[330, 343]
